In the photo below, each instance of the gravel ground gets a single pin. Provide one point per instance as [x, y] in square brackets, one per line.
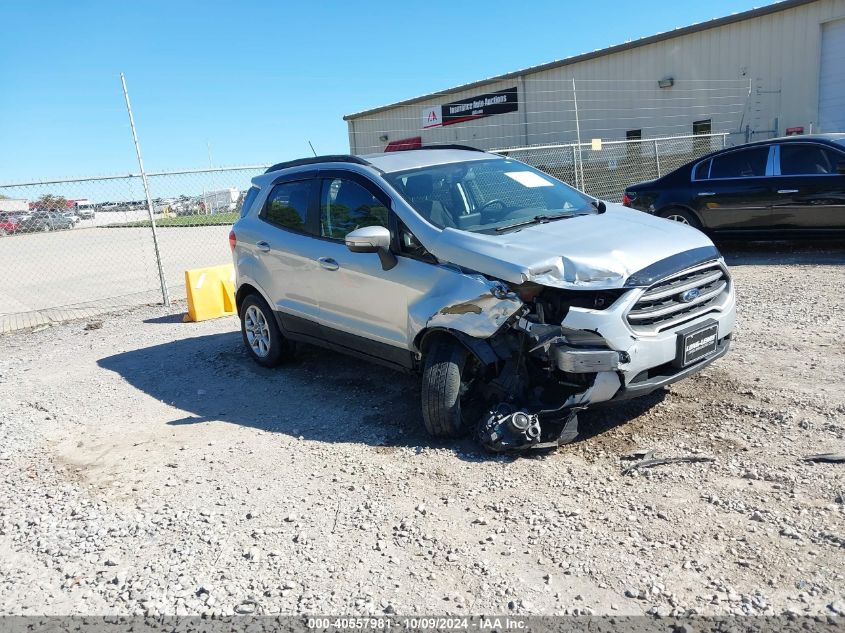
[149, 467]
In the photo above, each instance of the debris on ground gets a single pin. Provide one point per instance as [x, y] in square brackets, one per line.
[660, 461]
[826, 458]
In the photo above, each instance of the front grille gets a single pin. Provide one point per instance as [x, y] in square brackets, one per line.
[661, 307]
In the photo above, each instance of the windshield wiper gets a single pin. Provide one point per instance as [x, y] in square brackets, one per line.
[537, 219]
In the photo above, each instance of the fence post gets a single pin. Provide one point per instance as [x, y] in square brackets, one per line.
[724, 140]
[580, 166]
[575, 166]
[657, 158]
[165, 297]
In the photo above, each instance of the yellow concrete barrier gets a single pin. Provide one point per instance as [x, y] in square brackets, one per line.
[211, 292]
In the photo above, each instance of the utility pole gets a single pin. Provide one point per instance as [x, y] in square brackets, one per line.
[165, 297]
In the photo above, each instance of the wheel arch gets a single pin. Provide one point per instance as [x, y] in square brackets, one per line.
[246, 289]
[682, 207]
[479, 348]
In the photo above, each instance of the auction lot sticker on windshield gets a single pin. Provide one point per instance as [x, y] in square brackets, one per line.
[528, 179]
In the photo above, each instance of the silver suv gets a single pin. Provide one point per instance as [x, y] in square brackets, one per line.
[519, 299]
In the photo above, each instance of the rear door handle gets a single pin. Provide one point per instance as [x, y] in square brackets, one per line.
[263, 246]
[328, 263]
[787, 191]
[706, 193]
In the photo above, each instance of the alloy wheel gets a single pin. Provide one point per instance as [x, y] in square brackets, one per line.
[257, 331]
[678, 218]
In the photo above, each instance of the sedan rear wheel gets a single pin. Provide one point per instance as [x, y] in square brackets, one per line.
[682, 216]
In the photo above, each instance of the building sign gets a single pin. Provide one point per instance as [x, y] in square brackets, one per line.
[431, 117]
[472, 108]
[481, 106]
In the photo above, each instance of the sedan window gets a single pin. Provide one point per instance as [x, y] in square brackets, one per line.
[741, 164]
[807, 160]
[702, 170]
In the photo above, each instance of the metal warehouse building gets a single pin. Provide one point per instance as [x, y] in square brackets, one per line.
[757, 74]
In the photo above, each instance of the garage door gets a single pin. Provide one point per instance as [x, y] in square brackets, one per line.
[832, 78]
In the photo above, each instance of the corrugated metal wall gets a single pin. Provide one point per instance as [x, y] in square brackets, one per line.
[761, 74]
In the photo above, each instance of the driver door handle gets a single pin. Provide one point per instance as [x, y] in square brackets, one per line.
[263, 246]
[328, 263]
[706, 193]
[787, 191]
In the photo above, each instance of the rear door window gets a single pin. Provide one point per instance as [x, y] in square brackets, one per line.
[807, 160]
[287, 205]
[702, 171]
[746, 163]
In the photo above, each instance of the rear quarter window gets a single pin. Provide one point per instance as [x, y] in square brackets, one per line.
[251, 194]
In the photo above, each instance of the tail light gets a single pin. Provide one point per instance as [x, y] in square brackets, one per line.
[233, 239]
[628, 198]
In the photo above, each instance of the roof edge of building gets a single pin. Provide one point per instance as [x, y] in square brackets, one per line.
[782, 5]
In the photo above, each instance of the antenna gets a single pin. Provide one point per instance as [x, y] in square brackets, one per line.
[312, 148]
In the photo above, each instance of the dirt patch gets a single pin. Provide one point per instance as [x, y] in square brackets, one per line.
[150, 467]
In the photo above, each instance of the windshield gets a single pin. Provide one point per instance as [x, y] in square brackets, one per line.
[488, 196]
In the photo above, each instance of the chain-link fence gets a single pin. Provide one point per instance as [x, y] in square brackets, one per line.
[75, 248]
[604, 170]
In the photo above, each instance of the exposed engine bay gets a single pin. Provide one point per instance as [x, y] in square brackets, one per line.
[544, 372]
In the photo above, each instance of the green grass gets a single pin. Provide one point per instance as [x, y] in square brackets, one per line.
[184, 221]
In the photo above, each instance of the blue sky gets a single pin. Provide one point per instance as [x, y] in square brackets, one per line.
[256, 80]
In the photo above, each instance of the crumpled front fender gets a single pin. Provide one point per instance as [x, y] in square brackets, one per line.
[471, 304]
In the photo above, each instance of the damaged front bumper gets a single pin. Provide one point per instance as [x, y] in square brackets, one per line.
[646, 360]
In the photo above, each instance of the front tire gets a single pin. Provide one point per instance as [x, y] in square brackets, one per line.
[262, 337]
[450, 402]
[682, 216]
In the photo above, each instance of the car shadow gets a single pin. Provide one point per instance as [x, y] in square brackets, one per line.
[778, 252]
[604, 417]
[320, 395]
[178, 317]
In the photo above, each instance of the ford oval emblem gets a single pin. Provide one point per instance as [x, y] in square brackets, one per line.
[690, 295]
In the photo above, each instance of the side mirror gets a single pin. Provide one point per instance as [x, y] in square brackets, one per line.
[372, 239]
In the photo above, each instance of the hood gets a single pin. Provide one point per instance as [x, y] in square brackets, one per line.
[598, 251]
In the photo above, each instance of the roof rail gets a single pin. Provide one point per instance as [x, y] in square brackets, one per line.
[453, 146]
[314, 160]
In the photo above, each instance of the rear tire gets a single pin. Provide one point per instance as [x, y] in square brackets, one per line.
[682, 216]
[262, 337]
[450, 406]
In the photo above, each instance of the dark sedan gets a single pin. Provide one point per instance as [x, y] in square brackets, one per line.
[787, 185]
